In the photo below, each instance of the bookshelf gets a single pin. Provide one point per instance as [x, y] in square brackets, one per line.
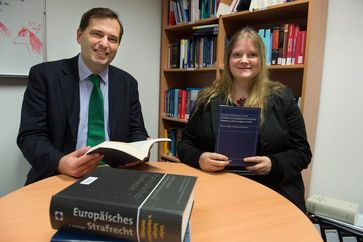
[303, 79]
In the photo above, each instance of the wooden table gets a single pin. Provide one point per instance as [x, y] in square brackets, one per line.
[227, 208]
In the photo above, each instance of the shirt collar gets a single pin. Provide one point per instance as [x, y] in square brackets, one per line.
[84, 72]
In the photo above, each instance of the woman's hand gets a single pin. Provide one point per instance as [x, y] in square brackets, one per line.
[209, 161]
[260, 165]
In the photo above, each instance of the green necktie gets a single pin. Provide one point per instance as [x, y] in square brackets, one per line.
[96, 127]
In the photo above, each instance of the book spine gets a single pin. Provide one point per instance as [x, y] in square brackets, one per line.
[289, 52]
[183, 104]
[294, 44]
[268, 46]
[275, 45]
[301, 54]
[281, 59]
[171, 14]
[285, 28]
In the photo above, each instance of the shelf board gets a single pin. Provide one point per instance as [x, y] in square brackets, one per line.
[273, 14]
[278, 67]
[175, 119]
[186, 27]
[204, 69]
[286, 67]
[170, 158]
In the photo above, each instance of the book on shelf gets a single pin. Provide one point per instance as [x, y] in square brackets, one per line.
[207, 29]
[185, 11]
[265, 35]
[171, 19]
[63, 235]
[292, 32]
[275, 45]
[224, 7]
[120, 153]
[126, 204]
[197, 52]
[192, 95]
[182, 102]
[237, 134]
[263, 4]
[174, 54]
[254, 5]
[332, 208]
[175, 135]
[243, 5]
[233, 6]
[178, 103]
[300, 47]
[284, 43]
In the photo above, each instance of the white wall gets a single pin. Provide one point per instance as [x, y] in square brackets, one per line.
[338, 163]
[139, 54]
[13, 167]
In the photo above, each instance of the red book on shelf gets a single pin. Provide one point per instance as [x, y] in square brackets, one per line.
[182, 101]
[297, 47]
[294, 44]
[289, 53]
[171, 13]
[301, 51]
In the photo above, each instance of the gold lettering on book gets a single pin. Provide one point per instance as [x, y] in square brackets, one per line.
[162, 231]
[155, 231]
[143, 229]
[149, 228]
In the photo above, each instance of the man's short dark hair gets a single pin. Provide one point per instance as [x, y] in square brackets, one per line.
[99, 13]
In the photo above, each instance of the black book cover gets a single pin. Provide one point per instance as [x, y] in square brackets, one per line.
[237, 133]
[80, 236]
[175, 54]
[243, 5]
[127, 204]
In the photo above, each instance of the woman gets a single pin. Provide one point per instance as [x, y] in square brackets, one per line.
[282, 149]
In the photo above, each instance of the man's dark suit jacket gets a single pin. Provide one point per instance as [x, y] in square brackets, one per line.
[50, 114]
[282, 137]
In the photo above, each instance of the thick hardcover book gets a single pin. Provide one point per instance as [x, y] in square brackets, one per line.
[237, 133]
[80, 236]
[126, 204]
[120, 153]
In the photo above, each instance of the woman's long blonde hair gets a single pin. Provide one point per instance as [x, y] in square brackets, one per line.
[262, 86]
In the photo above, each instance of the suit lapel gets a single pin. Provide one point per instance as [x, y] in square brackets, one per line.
[214, 109]
[267, 114]
[114, 94]
[69, 82]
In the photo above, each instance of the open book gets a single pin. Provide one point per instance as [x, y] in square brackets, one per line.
[120, 153]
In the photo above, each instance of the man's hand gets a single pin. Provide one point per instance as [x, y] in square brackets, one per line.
[261, 165]
[213, 161]
[77, 164]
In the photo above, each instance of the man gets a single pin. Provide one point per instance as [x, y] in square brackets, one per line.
[54, 118]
